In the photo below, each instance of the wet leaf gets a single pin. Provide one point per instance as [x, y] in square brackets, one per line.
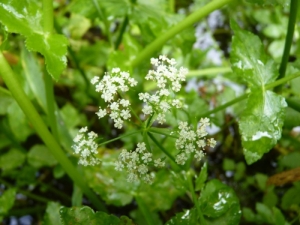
[261, 122]
[25, 17]
[85, 215]
[188, 217]
[219, 204]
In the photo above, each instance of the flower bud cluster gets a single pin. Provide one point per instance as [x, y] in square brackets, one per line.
[192, 142]
[86, 147]
[136, 164]
[168, 79]
[110, 87]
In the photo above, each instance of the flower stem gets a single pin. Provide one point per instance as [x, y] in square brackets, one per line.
[208, 72]
[187, 22]
[145, 210]
[38, 124]
[288, 40]
[244, 96]
[194, 197]
[118, 138]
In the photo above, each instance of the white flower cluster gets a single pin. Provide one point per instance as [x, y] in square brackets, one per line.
[136, 163]
[192, 142]
[168, 79]
[86, 147]
[111, 85]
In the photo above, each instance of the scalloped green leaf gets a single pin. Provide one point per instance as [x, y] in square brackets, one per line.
[219, 204]
[85, 215]
[262, 120]
[188, 217]
[25, 17]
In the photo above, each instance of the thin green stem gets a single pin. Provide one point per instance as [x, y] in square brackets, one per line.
[51, 105]
[164, 150]
[162, 131]
[194, 197]
[187, 22]
[42, 130]
[288, 40]
[105, 21]
[244, 96]
[27, 193]
[208, 72]
[48, 16]
[121, 32]
[145, 210]
[118, 138]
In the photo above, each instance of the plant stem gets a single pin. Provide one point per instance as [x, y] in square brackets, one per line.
[195, 200]
[27, 193]
[164, 150]
[39, 125]
[208, 72]
[105, 21]
[288, 40]
[121, 32]
[244, 96]
[145, 210]
[51, 105]
[187, 22]
[118, 138]
[48, 16]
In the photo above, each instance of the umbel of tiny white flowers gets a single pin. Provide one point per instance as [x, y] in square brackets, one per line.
[192, 142]
[168, 79]
[110, 86]
[86, 147]
[136, 164]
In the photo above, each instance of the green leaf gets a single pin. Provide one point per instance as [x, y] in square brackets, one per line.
[188, 217]
[219, 204]
[18, 122]
[200, 181]
[25, 17]
[291, 197]
[12, 159]
[5, 100]
[261, 122]
[7, 200]
[85, 215]
[39, 156]
[51, 216]
[34, 77]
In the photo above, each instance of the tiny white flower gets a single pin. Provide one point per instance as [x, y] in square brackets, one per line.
[94, 80]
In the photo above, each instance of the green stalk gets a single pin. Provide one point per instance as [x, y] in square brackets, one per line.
[288, 40]
[42, 130]
[145, 210]
[121, 32]
[105, 21]
[48, 16]
[164, 150]
[51, 105]
[194, 197]
[27, 193]
[208, 72]
[118, 138]
[187, 22]
[244, 96]
[48, 27]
